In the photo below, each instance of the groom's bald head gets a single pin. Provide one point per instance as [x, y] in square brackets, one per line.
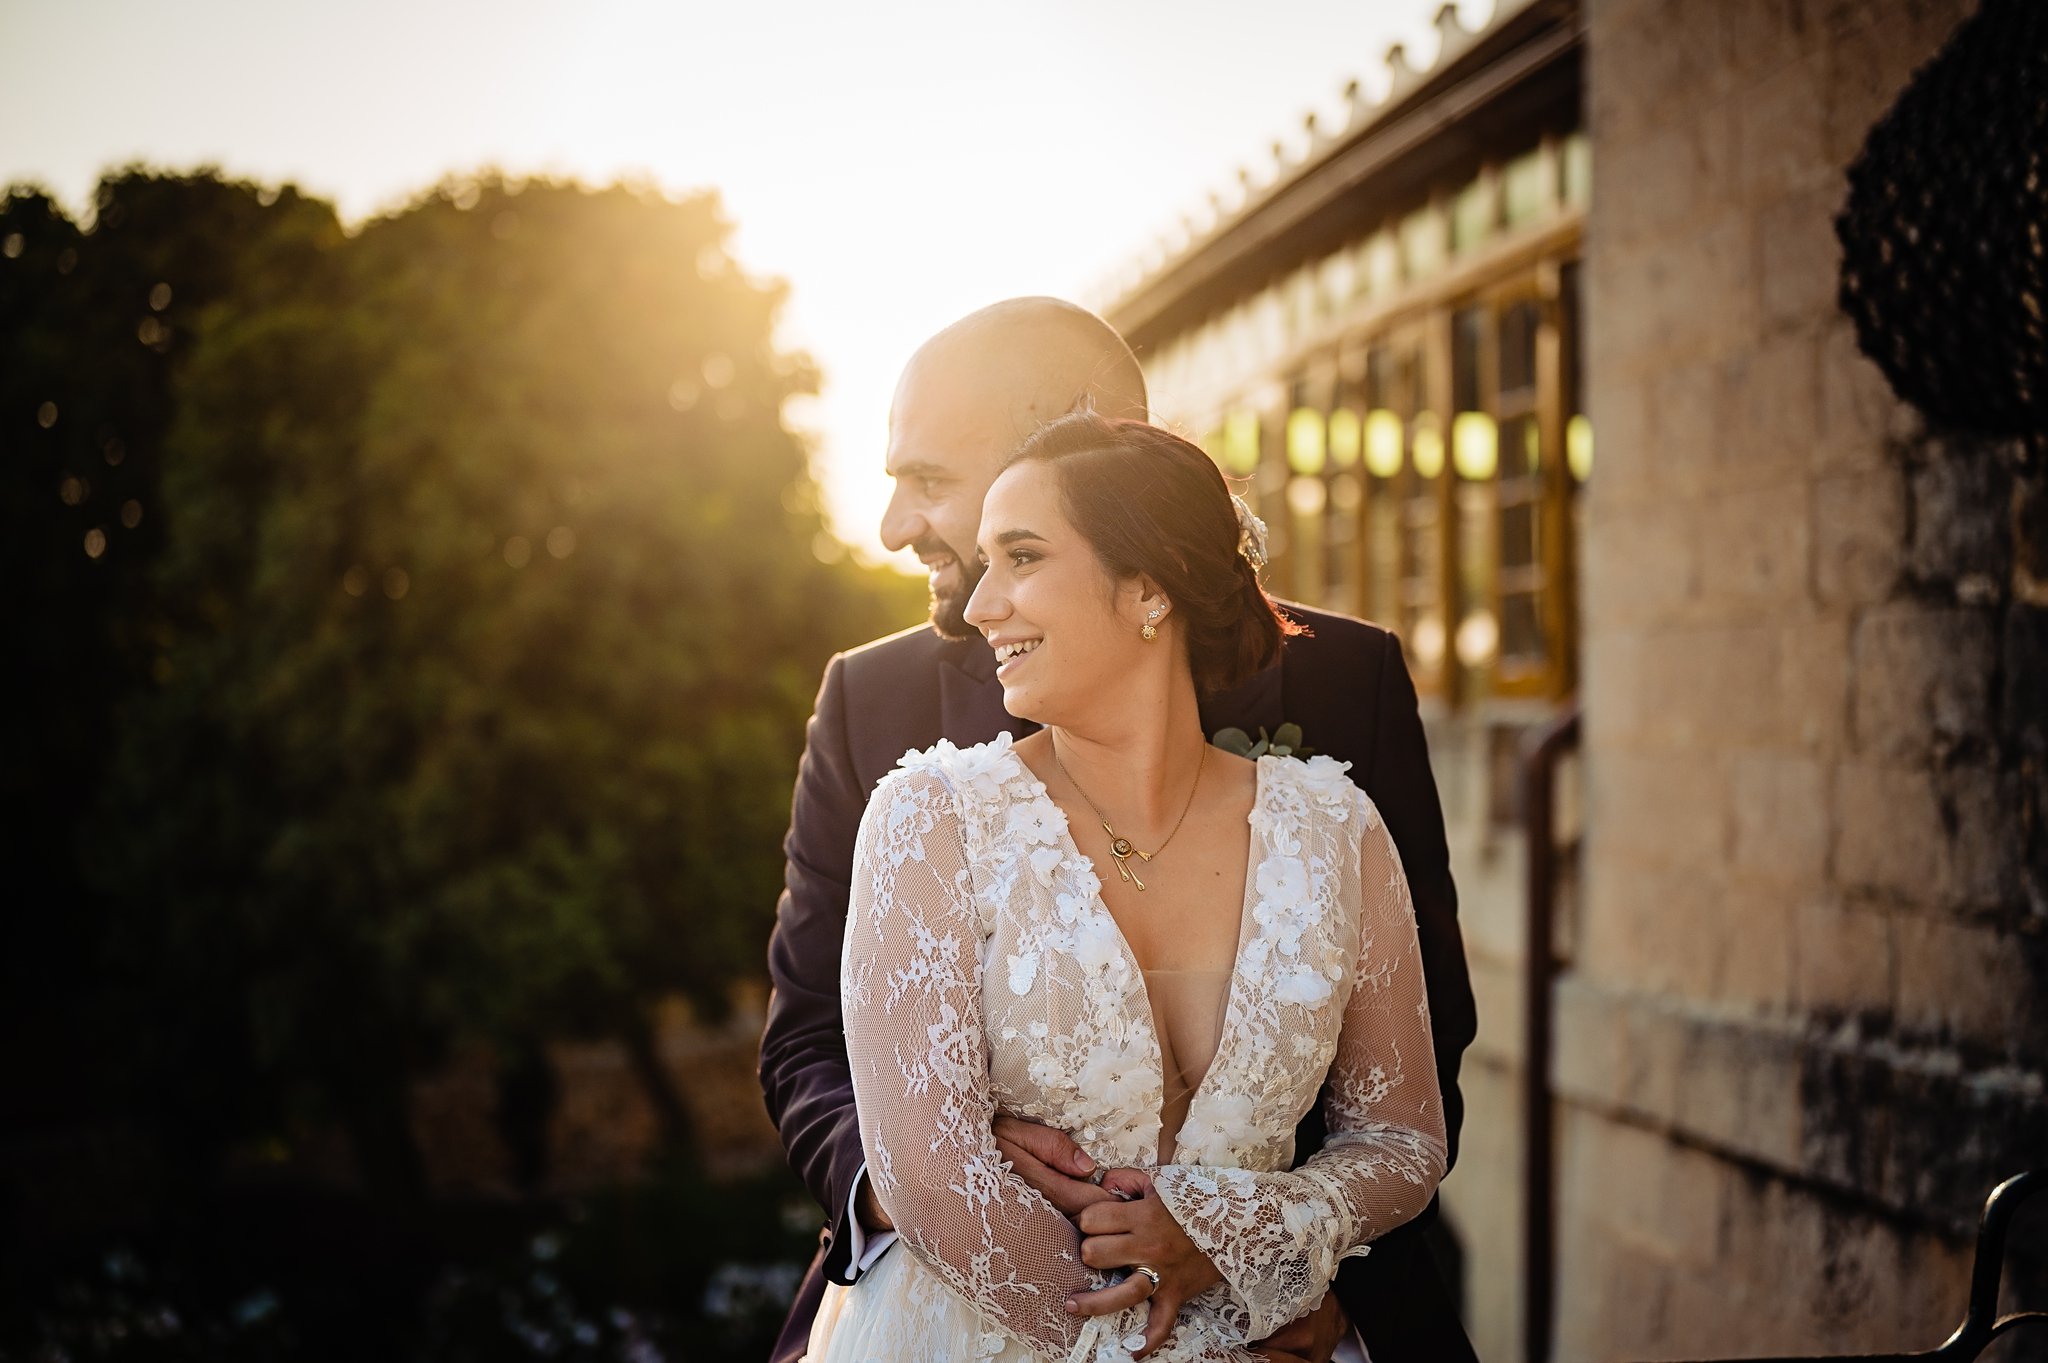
[1030, 359]
[968, 397]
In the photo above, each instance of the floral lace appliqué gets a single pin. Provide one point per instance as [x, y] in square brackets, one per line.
[983, 974]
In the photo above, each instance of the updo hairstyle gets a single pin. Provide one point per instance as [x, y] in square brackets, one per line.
[1151, 503]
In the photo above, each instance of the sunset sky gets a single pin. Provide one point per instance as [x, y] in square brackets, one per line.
[898, 163]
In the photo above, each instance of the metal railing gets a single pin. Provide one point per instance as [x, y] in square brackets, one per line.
[1544, 751]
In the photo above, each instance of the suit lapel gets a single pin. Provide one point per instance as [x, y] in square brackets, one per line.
[970, 699]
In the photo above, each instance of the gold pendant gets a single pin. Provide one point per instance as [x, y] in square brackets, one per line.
[1121, 849]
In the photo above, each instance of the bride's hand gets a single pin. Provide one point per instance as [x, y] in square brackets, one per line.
[1140, 1230]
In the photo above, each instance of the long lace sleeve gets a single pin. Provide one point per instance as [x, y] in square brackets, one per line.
[1277, 1237]
[912, 995]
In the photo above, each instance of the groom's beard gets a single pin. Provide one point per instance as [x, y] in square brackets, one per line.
[951, 586]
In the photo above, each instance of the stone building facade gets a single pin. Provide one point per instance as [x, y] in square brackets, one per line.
[1801, 997]
[1805, 1025]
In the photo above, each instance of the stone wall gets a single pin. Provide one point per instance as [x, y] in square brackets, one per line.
[1482, 1199]
[600, 1125]
[1806, 1023]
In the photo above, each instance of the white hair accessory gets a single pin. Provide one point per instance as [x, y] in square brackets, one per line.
[1251, 532]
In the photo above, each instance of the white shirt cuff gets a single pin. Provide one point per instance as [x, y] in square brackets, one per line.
[863, 1252]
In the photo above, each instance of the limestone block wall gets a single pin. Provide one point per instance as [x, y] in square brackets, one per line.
[1806, 1023]
[600, 1126]
[1482, 1198]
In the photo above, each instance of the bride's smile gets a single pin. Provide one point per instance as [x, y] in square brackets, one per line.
[1066, 633]
[1008, 652]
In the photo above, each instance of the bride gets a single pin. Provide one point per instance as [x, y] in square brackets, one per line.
[1113, 928]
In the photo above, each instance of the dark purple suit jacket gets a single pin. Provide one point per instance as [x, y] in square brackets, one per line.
[1348, 688]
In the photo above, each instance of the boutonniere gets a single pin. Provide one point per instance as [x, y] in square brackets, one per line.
[1285, 741]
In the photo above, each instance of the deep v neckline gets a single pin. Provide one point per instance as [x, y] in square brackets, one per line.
[1233, 1003]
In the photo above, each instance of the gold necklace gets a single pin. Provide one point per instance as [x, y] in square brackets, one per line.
[1122, 848]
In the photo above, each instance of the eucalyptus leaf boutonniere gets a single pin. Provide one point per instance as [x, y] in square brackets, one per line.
[1285, 741]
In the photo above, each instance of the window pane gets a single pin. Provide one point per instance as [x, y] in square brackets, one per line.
[1240, 442]
[1382, 264]
[1422, 542]
[1306, 447]
[1422, 244]
[1578, 169]
[1471, 216]
[1307, 500]
[1518, 452]
[1521, 629]
[1383, 546]
[1518, 348]
[1477, 635]
[1526, 188]
[1468, 348]
[1518, 535]
[1340, 541]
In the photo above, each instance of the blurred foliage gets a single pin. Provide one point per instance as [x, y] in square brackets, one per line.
[627, 1275]
[91, 333]
[421, 624]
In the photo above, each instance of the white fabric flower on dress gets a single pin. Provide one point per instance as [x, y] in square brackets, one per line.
[1037, 822]
[1096, 943]
[1023, 970]
[1045, 1069]
[1303, 985]
[1327, 776]
[1216, 1125]
[1283, 880]
[1108, 1067]
[975, 771]
[1301, 1217]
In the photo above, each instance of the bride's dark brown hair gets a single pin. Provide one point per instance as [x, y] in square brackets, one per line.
[1151, 503]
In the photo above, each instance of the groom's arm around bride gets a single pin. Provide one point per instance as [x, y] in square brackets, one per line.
[965, 401]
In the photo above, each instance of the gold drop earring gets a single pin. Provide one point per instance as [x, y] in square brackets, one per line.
[1149, 631]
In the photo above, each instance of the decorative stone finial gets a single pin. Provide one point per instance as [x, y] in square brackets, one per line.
[1453, 37]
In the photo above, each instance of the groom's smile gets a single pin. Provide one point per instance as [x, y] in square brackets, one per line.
[942, 461]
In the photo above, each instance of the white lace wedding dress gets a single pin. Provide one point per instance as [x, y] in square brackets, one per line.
[983, 974]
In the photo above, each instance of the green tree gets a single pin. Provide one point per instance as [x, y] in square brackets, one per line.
[485, 628]
[95, 321]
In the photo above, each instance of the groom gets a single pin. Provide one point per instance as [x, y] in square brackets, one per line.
[968, 397]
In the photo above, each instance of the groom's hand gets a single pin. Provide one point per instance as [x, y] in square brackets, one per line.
[868, 1208]
[1049, 1161]
[1313, 1338]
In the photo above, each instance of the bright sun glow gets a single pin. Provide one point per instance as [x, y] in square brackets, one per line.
[899, 164]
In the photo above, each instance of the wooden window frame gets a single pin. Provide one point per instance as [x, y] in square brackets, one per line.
[1518, 264]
